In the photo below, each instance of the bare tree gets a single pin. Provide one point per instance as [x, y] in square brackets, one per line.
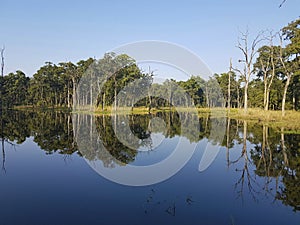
[2, 62]
[248, 53]
[267, 67]
[229, 85]
[246, 176]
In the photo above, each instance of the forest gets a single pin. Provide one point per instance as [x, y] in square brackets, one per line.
[268, 77]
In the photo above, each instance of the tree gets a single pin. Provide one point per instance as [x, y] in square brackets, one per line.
[248, 53]
[289, 56]
[2, 61]
[1, 105]
[72, 74]
[294, 90]
[256, 93]
[228, 85]
[114, 72]
[2, 78]
[171, 87]
[194, 87]
[266, 64]
[44, 85]
[15, 87]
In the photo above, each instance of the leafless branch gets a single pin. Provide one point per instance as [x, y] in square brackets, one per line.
[2, 61]
[282, 3]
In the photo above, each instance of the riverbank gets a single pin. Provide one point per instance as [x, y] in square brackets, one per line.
[271, 117]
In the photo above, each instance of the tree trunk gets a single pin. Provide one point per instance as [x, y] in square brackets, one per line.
[245, 139]
[285, 157]
[207, 98]
[91, 96]
[74, 91]
[265, 95]
[1, 89]
[55, 103]
[246, 97]
[238, 96]
[229, 76]
[115, 94]
[132, 104]
[284, 95]
[150, 103]
[227, 141]
[271, 80]
[68, 96]
[103, 101]
[294, 101]
[267, 100]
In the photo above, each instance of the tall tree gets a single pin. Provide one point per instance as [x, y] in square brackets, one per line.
[290, 55]
[229, 85]
[249, 51]
[1, 108]
[1, 83]
[15, 89]
[266, 64]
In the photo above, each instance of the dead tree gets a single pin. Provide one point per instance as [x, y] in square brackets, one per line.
[229, 86]
[248, 53]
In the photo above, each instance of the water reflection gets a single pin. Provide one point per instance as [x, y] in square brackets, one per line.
[267, 165]
[52, 131]
[110, 141]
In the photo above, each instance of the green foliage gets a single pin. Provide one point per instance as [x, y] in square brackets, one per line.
[15, 89]
[55, 85]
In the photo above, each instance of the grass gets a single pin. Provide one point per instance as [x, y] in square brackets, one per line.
[273, 118]
[41, 108]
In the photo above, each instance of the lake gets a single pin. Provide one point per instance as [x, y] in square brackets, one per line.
[61, 168]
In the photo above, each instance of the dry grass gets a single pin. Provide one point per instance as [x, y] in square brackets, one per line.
[272, 118]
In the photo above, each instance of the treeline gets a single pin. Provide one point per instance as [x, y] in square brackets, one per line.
[269, 79]
[56, 85]
[52, 85]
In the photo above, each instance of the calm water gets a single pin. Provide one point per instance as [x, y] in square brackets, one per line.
[48, 178]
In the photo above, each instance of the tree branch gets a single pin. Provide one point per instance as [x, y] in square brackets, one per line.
[282, 3]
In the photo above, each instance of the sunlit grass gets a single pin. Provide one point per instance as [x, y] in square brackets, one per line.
[271, 117]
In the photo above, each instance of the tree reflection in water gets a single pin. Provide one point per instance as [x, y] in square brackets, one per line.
[268, 163]
[272, 155]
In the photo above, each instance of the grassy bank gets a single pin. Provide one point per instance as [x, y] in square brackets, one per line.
[40, 108]
[272, 118]
[291, 120]
[265, 116]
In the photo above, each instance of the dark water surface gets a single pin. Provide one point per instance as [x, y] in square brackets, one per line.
[47, 178]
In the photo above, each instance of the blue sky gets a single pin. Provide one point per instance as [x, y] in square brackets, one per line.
[36, 31]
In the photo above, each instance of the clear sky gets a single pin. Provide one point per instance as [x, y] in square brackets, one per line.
[36, 31]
